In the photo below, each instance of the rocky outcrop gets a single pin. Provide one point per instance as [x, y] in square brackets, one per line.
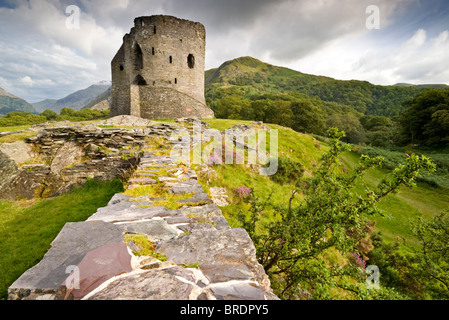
[65, 156]
[188, 251]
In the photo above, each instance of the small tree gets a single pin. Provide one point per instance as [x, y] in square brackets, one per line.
[332, 217]
[433, 255]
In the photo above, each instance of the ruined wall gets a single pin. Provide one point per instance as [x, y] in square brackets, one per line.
[160, 52]
[196, 254]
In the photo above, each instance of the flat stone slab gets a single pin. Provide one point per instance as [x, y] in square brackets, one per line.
[129, 211]
[68, 249]
[121, 197]
[227, 272]
[96, 267]
[142, 181]
[211, 247]
[238, 291]
[206, 211]
[174, 283]
[157, 230]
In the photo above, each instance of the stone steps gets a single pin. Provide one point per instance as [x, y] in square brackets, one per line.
[204, 257]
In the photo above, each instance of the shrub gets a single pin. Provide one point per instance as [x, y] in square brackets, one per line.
[289, 171]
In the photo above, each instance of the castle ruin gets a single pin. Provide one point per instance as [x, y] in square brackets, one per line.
[158, 72]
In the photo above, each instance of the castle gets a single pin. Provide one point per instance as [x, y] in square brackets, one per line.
[158, 72]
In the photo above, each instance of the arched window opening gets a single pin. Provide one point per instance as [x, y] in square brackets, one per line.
[122, 67]
[142, 23]
[140, 81]
[138, 57]
[191, 61]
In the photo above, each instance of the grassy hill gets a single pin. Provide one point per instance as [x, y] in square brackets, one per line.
[248, 76]
[307, 150]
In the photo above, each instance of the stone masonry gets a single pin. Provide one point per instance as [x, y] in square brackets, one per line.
[196, 255]
[158, 72]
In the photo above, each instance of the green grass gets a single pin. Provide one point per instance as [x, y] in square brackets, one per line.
[27, 232]
[301, 148]
[14, 128]
[400, 208]
[222, 124]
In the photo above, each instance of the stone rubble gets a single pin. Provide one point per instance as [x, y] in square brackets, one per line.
[199, 256]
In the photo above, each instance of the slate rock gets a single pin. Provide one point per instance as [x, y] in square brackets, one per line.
[209, 246]
[68, 249]
[173, 283]
[227, 272]
[157, 230]
[18, 151]
[238, 291]
[141, 181]
[68, 154]
[96, 267]
[128, 211]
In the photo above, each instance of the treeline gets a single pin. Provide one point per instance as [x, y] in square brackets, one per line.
[305, 114]
[424, 121]
[25, 118]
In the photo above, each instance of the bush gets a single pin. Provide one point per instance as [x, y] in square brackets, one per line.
[21, 118]
[289, 171]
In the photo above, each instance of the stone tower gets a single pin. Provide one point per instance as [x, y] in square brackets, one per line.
[158, 72]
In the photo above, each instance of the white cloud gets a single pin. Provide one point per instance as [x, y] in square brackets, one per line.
[27, 81]
[418, 60]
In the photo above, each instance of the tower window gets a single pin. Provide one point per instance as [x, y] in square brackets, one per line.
[138, 57]
[191, 61]
[176, 80]
[122, 67]
[154, 29]
[152, 51]
[171, 59]
[142, 23]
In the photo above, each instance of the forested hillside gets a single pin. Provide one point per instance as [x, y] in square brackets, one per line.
[249, 76]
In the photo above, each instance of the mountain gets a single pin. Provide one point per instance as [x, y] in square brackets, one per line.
[76, 100]
[42, 105]
[103, 101]
[247, 76]
[426, 86]
[11, 103]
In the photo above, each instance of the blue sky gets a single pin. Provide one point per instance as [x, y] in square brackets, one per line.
[40, 58]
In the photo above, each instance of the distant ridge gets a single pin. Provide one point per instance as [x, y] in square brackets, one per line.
[11, 103]
[430, 86]
[76, 100]
[247, 76]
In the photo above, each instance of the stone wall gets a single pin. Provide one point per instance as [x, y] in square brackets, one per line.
[194, 253]
[160, 52]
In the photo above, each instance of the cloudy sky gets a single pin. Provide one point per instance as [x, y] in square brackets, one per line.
[41, 56]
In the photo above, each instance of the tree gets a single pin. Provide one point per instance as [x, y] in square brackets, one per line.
[433, 255]
[50, 115]
[307, 117]
[280, 113]
[230, 107]
[426, 120]
[331, 217]
[354, 132]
